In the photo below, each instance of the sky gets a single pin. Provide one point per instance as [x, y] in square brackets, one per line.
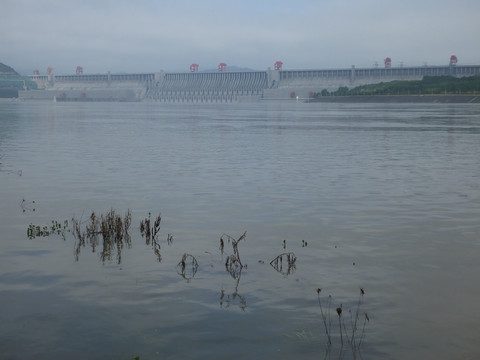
[140, 36]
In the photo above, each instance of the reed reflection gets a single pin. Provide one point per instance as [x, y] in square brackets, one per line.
[235, 297]
[234, 267]
[187, 267]
[284, 263]
[111, 229]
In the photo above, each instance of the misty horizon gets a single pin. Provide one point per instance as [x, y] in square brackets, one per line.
[229, 68]
[148, 36]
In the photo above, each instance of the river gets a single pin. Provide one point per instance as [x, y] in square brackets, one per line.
[378, 206]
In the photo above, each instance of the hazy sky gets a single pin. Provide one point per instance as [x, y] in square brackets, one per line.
[146, 35]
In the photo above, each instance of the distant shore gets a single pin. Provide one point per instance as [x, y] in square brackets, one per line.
[457, 99]
[441, 99]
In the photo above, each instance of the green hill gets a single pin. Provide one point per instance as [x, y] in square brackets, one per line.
[5, 69]
[429, 85]
[11, 82]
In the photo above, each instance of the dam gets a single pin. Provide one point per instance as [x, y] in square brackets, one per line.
[224, 85]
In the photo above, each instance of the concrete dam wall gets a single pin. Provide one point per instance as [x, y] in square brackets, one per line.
[224, 86]
[208, 87]
[94, 87]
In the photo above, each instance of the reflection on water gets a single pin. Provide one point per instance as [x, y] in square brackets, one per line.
[234, 298]
[284, 263]
[347, 329]
[234, 267]
[233, 264]
[151, 234]
[111, 233]
[55, 228]
[114, 231]
[187, 267]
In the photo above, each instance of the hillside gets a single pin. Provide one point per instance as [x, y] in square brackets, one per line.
[7, 70]
[11, 82]
[429, 85]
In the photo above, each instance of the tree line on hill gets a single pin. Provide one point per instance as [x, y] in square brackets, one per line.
[428, 85]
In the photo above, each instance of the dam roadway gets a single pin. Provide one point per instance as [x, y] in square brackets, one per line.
[225, 86]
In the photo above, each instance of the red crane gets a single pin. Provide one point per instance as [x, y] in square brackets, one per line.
[388, 63]
[194, 68]
[222, 66]
[36, 72]
[453, 60]
[49, 70]
[278, 65]
[79, 70]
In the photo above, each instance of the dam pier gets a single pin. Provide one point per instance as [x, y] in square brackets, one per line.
[224, 85]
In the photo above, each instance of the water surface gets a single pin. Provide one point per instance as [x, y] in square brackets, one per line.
[384, 197]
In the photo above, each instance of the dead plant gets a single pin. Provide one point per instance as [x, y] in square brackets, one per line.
[151, 233]
[344, 333]
[112, 228]
[233, 263]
